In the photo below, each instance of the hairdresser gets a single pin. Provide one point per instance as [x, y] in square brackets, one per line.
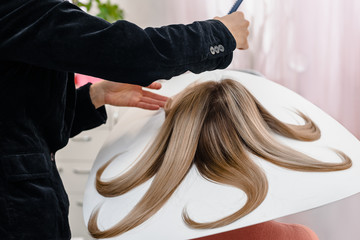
[42, 44]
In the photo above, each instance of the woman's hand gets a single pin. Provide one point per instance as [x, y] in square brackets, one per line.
[127, 95]
[238, 26]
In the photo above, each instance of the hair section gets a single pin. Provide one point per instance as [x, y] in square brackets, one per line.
[216, 126]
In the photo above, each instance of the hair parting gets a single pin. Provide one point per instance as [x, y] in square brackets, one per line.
[215, 126]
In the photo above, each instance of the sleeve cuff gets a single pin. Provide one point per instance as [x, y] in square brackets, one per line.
[86, 115]
[222, 42]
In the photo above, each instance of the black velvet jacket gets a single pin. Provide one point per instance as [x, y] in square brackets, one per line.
[42, 43]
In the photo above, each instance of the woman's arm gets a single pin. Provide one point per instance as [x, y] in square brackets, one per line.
[58, 35]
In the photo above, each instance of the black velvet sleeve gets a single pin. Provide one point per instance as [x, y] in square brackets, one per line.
[58, 35]
[86, 115]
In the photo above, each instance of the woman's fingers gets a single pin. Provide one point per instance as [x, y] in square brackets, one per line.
[148, 106]
[152, 101]
[154, 85]
[155, 96]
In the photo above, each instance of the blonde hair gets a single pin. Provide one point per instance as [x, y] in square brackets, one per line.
[214, 125]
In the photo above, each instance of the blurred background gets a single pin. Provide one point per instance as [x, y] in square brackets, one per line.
[311, 47]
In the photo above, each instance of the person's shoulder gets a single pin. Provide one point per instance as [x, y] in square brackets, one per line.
[305, 232]
[292, 231]
[271, 230]
[7, 7]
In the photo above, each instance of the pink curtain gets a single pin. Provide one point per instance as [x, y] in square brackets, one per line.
[311, 47]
